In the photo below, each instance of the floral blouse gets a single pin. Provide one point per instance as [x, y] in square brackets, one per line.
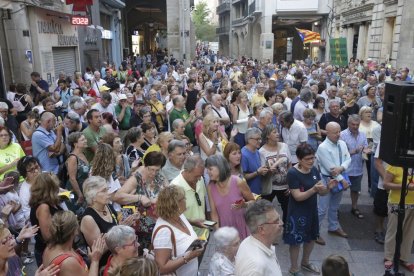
[150, 190]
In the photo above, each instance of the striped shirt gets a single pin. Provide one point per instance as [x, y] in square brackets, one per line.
[354, 142]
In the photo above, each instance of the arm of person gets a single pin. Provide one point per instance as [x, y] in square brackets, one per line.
[302, 196]
[89, 229]
[45, 218]
[205, 147]
[166, 265]
[121, 114]
[213, 210]
[379, 167]
[72, 165]
[7, 167]
[27, 131]
[234, 113]
[56, 147]
[126, 194]
[388, 182]
[245, 190]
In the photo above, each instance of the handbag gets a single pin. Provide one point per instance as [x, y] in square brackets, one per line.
[27, 147]
[145, 224]
[150, 254]
[339, 188]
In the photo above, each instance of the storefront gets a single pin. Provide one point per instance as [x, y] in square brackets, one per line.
[54, 43]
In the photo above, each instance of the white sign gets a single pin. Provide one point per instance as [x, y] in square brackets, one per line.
[106, 34]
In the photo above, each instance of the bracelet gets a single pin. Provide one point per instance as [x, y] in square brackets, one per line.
[19, 242]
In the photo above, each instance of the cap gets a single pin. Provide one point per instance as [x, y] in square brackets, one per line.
[103, 88]
[272, 79]
[122, 97]
[129, 95]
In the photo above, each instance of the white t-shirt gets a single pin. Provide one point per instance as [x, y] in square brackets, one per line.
[24, 195]
[254, 258]
[182, 241]
[294, 136]
[16, 220]
[380, 180]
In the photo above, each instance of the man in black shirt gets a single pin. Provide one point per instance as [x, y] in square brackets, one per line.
[334, 115]
[38, 87]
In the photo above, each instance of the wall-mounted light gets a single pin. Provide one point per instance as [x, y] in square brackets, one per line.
[316, 23]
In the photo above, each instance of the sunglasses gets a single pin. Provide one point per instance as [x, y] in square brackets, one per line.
[198, 199]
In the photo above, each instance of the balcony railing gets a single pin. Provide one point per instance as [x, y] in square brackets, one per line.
[222, 30]
[225, 7]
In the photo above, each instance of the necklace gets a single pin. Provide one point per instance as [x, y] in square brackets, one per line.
[104, 212]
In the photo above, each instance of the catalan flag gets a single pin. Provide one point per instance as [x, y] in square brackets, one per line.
[308, 36]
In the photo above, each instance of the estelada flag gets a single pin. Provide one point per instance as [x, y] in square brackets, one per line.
[308, 36]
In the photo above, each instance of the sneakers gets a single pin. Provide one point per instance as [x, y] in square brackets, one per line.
[379, 237]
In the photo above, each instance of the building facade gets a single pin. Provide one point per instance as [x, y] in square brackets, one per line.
[265, 30]
[40, 37]
[374, 30]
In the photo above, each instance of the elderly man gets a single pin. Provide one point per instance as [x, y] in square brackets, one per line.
[256, 254]
[195, 191]
[219, 111]
[178, 128]
[47, 146]
[334, 159]
[105, 105]
[330, 95]
[9, 121]
[293, 133]
[305, 100]
[93, 133]
[265, 118]
[356, 142]
[258, 97]
[123, 115]
[179, 112]
[334, 115]
[97, 82]
[77, 104]
[176, 157]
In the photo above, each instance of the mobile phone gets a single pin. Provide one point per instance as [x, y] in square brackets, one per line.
[197, 244]
[209, 223]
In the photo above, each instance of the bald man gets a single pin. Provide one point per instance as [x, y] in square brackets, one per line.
[333, 158]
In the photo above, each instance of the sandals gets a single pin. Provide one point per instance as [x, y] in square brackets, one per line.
[311, 268]
[408, 266]
[357, 213]
[388, 265]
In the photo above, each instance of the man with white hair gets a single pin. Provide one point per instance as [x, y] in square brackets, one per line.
[330, 95]
[227, 242]
[78, 105]
[219, 111]
[97, 82]
[305, 99]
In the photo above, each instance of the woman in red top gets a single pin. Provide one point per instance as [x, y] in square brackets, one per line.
[63, 229]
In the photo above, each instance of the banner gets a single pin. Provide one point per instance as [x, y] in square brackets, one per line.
[338, 51]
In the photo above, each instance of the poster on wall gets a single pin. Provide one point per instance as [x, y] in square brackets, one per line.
[338, 51]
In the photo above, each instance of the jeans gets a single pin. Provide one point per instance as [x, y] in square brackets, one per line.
[329, 204]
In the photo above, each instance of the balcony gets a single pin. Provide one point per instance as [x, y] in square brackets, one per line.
[223, 30]
[254, 8]
[225, 7]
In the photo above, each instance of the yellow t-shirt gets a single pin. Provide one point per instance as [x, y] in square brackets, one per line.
[394, 197]
[257, 99]
[155, 107]
[8, 155]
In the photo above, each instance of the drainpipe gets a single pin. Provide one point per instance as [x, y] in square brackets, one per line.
[8, 51]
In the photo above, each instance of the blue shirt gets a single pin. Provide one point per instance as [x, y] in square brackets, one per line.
[353, 142]
[250, 162]
[331, 155]
[41, 140]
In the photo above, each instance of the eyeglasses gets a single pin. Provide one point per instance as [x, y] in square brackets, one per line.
[4, 135]
[270, 223]
[198, 199]
[257, 139]
[146, 116]
[135, 243]
[34, 168]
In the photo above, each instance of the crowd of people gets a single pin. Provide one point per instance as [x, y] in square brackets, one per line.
[125, 171]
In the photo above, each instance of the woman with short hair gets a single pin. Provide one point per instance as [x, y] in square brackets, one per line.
[228, 195]
[134, 152]
[63, 228]
[99, 217]
[173, 235]
[10, 152]
[227, 242]
[123, 244]
[142, 189]
[276, 157]
[149, 131]
[162, 144]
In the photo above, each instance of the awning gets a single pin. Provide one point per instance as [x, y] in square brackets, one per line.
[118, 4]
